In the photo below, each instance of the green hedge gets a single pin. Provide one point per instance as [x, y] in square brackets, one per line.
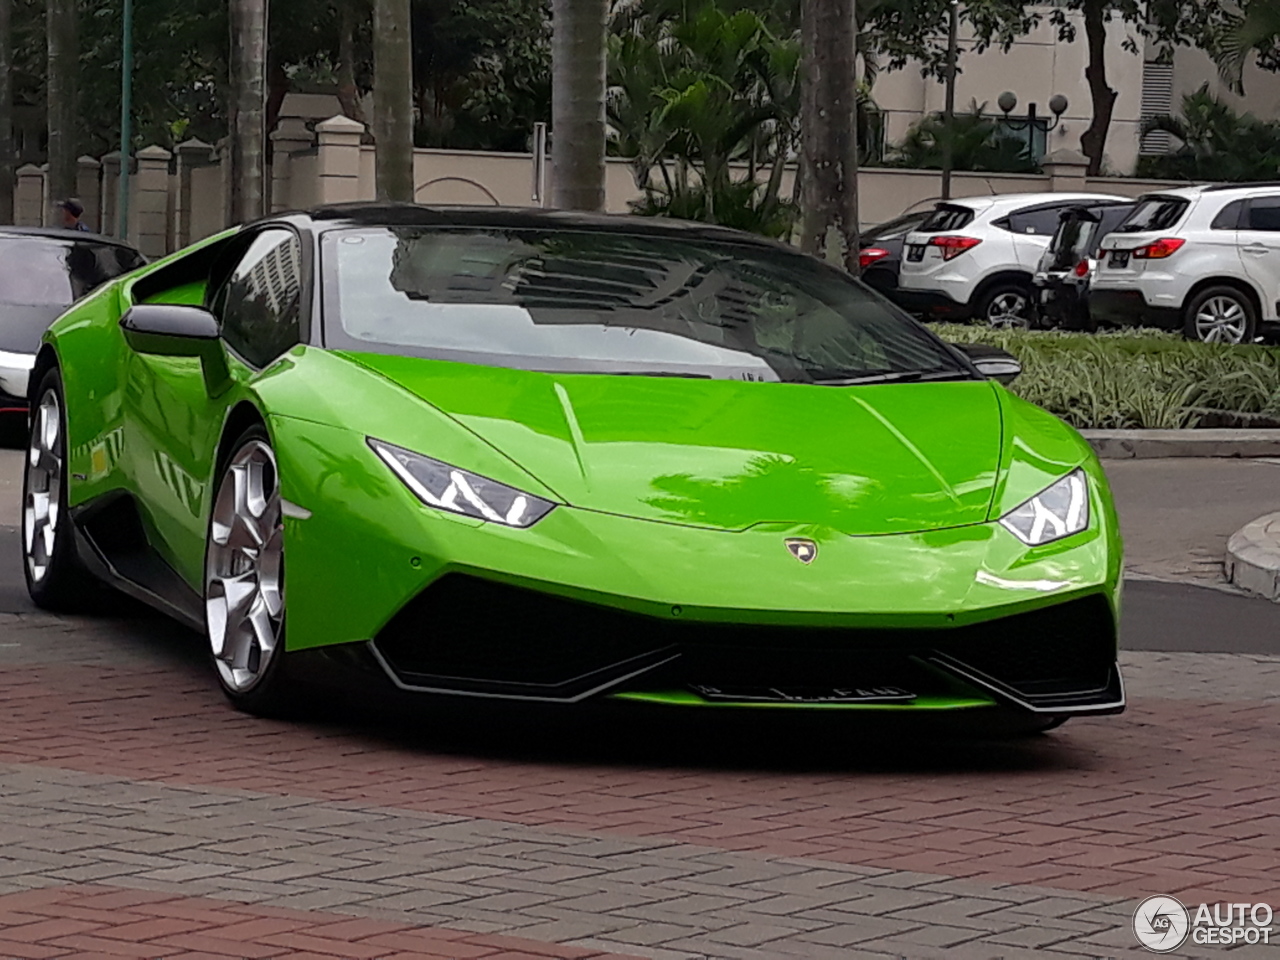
[1138, 378]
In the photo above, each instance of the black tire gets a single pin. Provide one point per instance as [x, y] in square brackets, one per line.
[271, 690]
[1238, 319]
[56, 579]
[993, 308]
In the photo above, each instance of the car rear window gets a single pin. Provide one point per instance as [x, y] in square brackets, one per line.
[51, 272]
[1154, 213]
[947, 217]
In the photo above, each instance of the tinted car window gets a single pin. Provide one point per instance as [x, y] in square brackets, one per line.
[1154, 213]
[1264, 214]
[260, 303]
[1228, 217]
[607, 302]
[1042, 221]
[946, 217]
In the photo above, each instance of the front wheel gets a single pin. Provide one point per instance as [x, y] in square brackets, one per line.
[1006, 305]
[244, 580]
[1221, 315]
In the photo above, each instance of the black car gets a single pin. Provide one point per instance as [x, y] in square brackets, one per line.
[1062, 279]
[880, 255]
[42, 272]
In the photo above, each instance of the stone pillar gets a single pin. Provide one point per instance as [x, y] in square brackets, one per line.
[152, 201]
[339, 161]
[110, 191]
[28, 197]
[1066, 171]
[290, 137]
[191, 153]
[89, 191]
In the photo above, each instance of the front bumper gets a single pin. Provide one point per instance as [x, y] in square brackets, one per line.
[1130, 308]
[586, 604]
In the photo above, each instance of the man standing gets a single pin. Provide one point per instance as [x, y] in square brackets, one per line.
[72, 211]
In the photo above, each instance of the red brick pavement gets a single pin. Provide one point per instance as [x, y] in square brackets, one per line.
[1176, 797]
[91, 920]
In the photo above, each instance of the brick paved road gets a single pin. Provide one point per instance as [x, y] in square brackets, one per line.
[142, 817]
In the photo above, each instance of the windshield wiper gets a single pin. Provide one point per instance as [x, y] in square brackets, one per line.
[901, 376]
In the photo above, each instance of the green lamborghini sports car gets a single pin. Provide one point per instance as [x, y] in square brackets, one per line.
[552, 457]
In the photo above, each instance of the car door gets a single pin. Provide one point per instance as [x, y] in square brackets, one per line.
[1259, 243]
[173, 426]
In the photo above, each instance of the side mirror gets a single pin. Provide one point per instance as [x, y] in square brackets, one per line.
[175, 330]
[991, 361]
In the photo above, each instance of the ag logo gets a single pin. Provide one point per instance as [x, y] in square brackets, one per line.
[1161, 924]
[802, 549]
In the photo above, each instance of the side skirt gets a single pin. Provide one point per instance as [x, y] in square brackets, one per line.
[112, 543]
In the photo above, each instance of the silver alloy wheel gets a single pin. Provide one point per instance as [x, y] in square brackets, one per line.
[244, 568]
[42, 506]
[1221, 319]
[1008, 310]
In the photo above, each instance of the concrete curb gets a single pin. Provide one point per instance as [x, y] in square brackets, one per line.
[1253, 557]
[1150, 444]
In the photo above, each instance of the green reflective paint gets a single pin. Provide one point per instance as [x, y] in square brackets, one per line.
[674, 497]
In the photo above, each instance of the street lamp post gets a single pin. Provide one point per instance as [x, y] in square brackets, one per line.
[126, 120]
[949, 109]
[1008, 101]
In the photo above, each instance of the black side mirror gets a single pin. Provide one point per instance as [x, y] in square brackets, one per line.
[991, 361]
[175, 330]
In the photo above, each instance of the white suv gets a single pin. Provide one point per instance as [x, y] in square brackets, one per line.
[975, 257]
[1203, 260]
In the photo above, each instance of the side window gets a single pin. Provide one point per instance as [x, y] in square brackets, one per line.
[1042, 221]
[260, 303]
[1264, 214]
[1228, 217]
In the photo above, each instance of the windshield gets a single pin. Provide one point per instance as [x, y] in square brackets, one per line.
[47, 272]
[1154, 213]
[607, 302]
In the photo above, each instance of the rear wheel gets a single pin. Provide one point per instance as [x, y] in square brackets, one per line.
[1221, 315]
[244, 580]
[56, 580]
[1005, 305]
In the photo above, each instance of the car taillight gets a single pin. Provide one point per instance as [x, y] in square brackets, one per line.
[1082, 268]
[870, 255]
[1158, 250]
[952, 247]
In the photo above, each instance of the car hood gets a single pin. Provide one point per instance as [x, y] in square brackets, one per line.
[724, 454]
[22, 325]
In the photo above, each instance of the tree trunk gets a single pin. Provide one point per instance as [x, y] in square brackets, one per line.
[828, 122]
[348, 92]
[393, 99]
[61, 101]
[577, 103]
[247, 120]
[1093, 142]
[7, 159]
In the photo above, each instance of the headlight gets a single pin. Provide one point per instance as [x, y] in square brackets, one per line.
[447, 488]
[1054, 513]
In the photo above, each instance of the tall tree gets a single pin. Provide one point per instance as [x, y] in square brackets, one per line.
[829, 143]
[393, 98]
[1256, 30]
[248, 63]
[7, 158]
[578, 103]
[61, 99]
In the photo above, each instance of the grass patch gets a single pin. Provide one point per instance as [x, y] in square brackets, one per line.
[1134, 379]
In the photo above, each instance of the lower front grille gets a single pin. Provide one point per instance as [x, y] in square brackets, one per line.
[470, 635]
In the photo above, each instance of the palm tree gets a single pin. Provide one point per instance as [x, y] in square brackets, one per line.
[6, 114]
[1257, 29]
[578, 103]
[393, 99]
[61, 97]
[829, 142]
[247, 120]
